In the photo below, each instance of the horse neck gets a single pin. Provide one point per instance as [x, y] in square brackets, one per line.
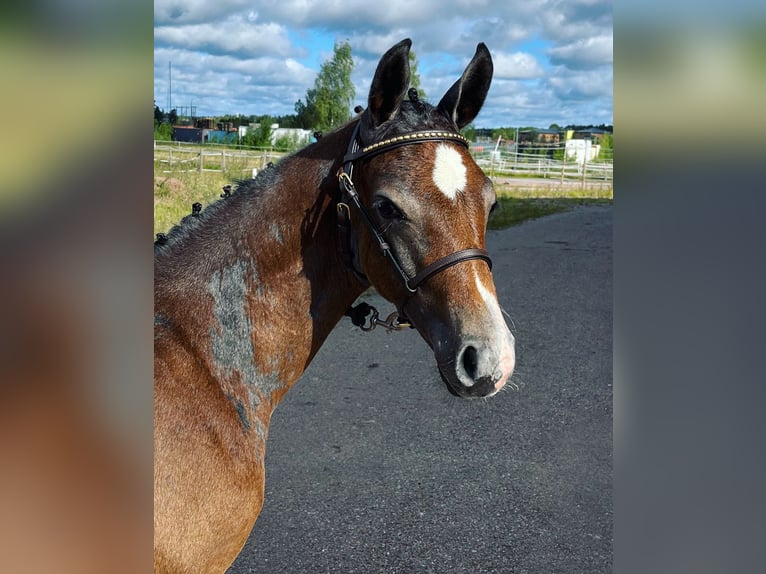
[258, 285]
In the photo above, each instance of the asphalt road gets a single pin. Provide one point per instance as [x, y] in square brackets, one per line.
[373, 467]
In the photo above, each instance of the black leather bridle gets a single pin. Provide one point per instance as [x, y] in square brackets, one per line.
[349, 196]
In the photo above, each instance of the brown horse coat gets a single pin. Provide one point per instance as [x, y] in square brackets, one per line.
[247, 291]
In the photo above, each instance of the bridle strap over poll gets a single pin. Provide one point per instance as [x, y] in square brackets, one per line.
[349, 195]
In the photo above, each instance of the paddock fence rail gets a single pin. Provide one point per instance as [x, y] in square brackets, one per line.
[172, 157]
[511, 164]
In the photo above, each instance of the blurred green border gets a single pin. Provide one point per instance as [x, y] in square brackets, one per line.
[77, 78]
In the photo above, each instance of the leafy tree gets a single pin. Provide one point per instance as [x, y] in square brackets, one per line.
[306, 114]
[288, 143]
[235, 119]
[607, 146]
[415, 77]
[289, 121]
[173, 117]
[328, 103]
[259, 136]
[469, 131]
[508, 134]
[163, 132]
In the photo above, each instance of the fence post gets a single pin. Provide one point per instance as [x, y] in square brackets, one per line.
[223, 160]
[201, 161]
[563, 166]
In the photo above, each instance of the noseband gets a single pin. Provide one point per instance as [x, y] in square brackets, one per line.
[349, 195]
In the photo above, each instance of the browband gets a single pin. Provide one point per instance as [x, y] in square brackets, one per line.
[404, 139]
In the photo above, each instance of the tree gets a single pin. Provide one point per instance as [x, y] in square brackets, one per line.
[415, 77]
[469, 132]
[306, 114]
[259, 136]
[328, 103]
[607, 146]
[158, 115]
[163, 132]
[508, 134]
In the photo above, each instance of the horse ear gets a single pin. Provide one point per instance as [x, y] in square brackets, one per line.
[390, 83]
[464, 99]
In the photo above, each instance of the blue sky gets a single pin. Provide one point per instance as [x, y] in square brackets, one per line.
[553, 58]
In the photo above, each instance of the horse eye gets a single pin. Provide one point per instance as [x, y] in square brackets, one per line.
[387, 209]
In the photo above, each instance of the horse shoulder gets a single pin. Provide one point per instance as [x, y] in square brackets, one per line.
[208, 474]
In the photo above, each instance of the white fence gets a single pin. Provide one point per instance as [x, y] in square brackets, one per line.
[181, 156]
[499, 163]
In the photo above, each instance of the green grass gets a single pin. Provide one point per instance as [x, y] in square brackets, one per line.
[177, 189]
[521, 204]
[174, 194]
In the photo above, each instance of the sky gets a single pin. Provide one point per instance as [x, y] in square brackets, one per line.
[552, 58]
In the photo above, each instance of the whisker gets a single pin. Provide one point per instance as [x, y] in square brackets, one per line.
[508, 316]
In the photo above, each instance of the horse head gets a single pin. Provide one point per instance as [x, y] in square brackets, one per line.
[426, 203]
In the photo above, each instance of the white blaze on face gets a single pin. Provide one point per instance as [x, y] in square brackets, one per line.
[449, 171]
[495, 314]
[507, 354]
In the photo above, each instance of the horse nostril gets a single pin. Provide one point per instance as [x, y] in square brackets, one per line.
[470, 360]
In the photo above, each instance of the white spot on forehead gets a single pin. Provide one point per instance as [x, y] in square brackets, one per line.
[449, 171]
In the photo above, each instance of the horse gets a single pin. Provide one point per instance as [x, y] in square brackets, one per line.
[247, 290]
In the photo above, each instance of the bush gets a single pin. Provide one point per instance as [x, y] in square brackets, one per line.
[259, 136]
[162, 131]
[288, 144]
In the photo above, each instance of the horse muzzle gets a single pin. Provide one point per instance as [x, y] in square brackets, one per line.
[480, 368]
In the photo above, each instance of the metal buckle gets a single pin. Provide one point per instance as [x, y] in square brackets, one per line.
[341, 207]
[390, 324]
[345, 180]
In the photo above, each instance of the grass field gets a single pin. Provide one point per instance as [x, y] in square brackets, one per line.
[174, 194]
[519, 202]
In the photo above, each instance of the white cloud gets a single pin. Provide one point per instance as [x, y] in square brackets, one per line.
[582, 86]
[350, 14]
[195, 11]
[233, 36]
[259, 56]
[564, 22]
[584, 53]
[516, 66]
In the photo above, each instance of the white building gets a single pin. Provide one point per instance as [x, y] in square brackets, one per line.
[578, 150]
[301, 137]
